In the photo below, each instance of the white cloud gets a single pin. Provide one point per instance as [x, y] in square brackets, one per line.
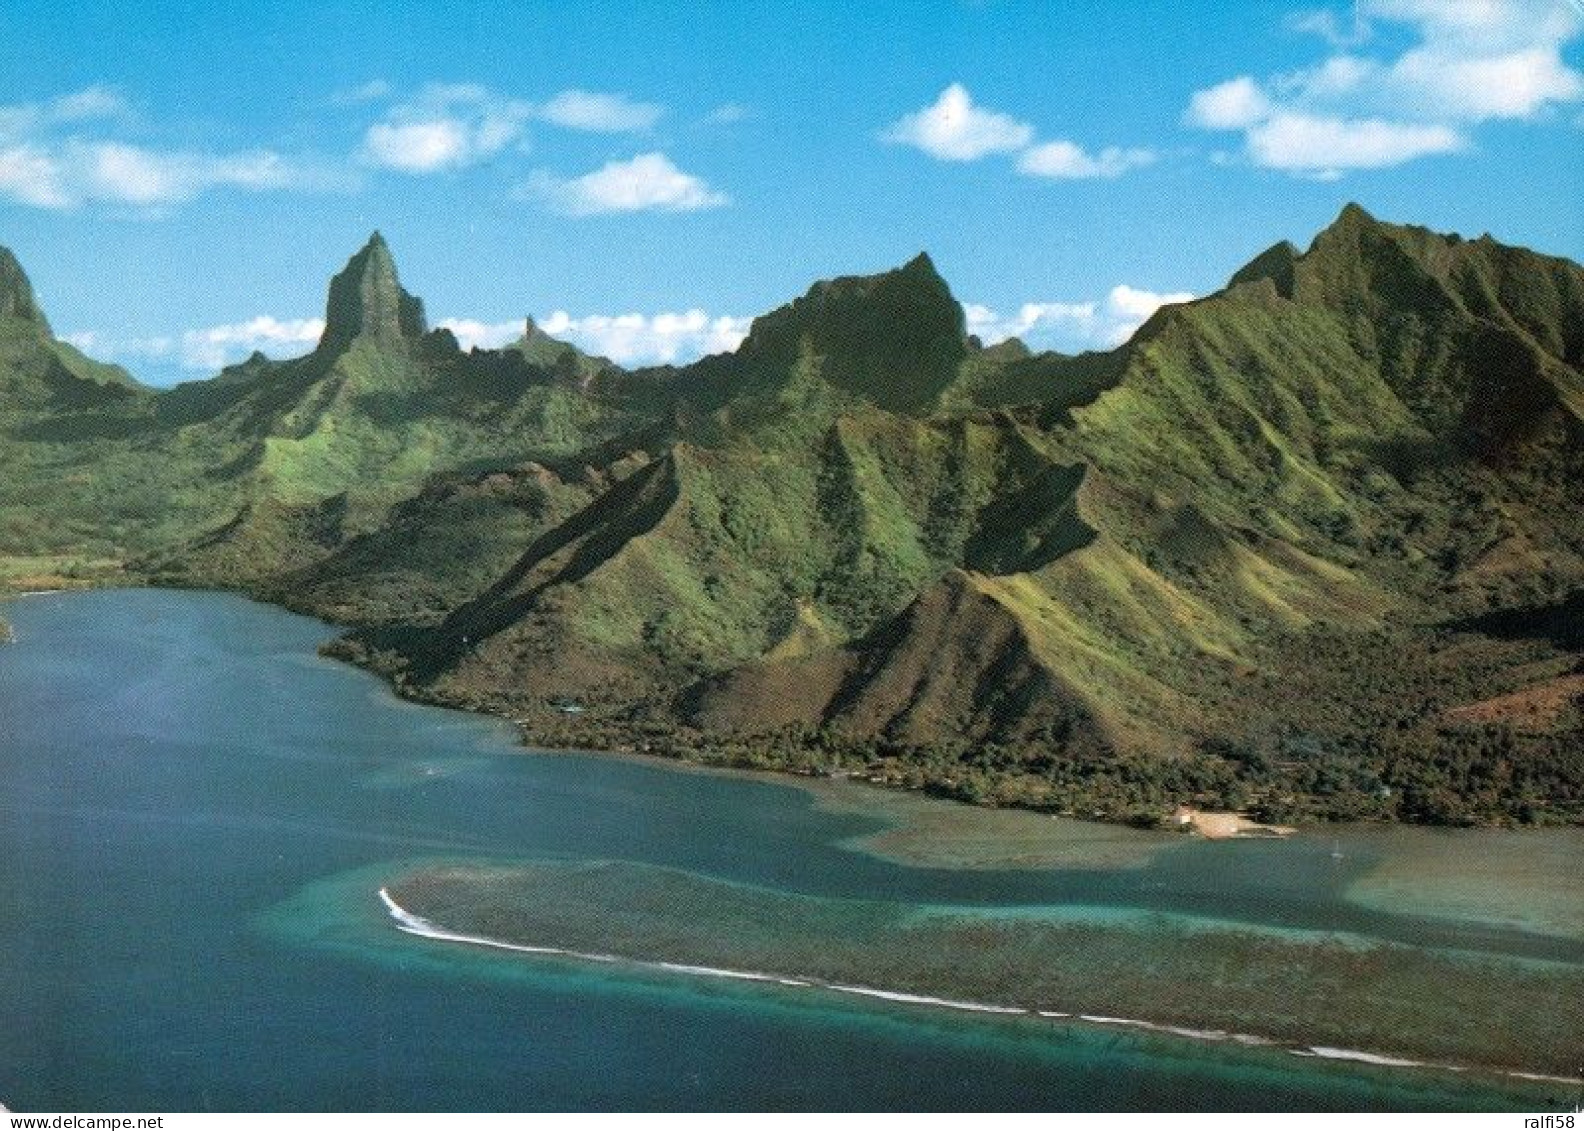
[211, 348]
[473, 334]
[1127, 308]
[639, 339]
[728, 114]
[22, 120]
[30, 175]
[1335, 30]
[447, 126]
[418, 147]
[51, 158]
[1480, 24]
[1065, 160]
[1469, 62]
[88, 104]
[648, 182]
[218, 346]
[1097, 323]
[1034, 320]
[1232, 105]
[1323, 146]
[1517, 84]
[954, 129]
[451, 126]
[600, 113]
[68, 174]
[627, 339]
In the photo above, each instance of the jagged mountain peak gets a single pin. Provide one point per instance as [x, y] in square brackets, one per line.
[16, 293]
[367, 301]
[1354, 213]
[1275, 263]
[895, 338]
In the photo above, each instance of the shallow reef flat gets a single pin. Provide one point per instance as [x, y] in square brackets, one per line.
[1308, 989]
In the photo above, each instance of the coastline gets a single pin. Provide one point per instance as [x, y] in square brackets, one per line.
[167, 620]
[545, 739]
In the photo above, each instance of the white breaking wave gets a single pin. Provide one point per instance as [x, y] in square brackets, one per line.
[1325, 1053]
[1174, 1030]
[717, 972]
[412, 924]
[921, 999]
[416, 925]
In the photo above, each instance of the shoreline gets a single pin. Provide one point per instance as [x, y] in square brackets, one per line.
[417, 926]
[526, 742]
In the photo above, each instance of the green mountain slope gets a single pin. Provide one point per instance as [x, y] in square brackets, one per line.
[1251, 557]
[317, 450]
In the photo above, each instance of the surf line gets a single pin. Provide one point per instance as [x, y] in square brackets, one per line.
[412, 924]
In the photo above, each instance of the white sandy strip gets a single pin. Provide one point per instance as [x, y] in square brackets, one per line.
[416, 925]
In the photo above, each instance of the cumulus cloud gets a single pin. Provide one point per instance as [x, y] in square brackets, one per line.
[30, 175]
[634, 339]
[647, 182]
[73, 172]
[218, 346]
[1324, 146]
[209, 348]
[474, 334]
[1032, 322]
[1097, 323]
[600, 113]
[1065, 160]
[627, 339]
[1232, 105]
[447, 126]
[1476, 88]
[954, 129]
[1468, 62]
[418, 147]
[450, 126]
[56, 154]
[21, 120]
[1128, 308]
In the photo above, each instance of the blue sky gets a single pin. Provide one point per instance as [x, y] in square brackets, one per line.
[181, 181]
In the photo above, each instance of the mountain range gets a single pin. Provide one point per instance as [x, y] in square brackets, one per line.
[1312, 546]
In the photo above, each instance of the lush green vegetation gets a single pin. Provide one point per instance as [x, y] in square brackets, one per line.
[1308, 547]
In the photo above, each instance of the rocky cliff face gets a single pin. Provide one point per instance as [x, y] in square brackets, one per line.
[367, 301]
[16, 294]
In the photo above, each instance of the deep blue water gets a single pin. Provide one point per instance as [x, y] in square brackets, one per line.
[195, 810]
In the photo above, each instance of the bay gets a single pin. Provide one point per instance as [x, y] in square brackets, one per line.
[197, 813]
